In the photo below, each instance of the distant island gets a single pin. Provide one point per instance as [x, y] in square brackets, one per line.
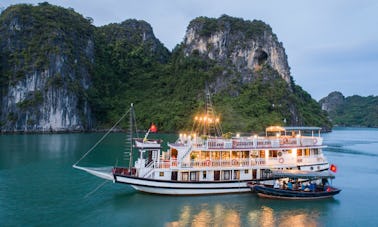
[59, 72]
[352, 111]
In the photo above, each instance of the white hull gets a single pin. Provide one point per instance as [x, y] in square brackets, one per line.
[183, 188]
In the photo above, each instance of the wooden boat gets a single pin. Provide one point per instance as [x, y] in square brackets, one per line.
[317, 181]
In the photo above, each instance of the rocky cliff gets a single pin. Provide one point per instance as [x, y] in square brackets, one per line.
[46, 55]
[247, 45]
[332, 102]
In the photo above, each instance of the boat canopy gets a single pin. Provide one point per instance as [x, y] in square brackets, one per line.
[300, 174]
[275, 129]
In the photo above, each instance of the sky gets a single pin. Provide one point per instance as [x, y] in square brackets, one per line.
[331, 45]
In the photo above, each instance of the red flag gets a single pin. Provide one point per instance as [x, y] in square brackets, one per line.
[153, 128]
[333, 168]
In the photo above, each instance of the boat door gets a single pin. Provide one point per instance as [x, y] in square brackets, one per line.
[217, 175]
[174, 175]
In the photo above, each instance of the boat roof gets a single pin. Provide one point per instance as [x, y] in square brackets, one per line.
[302, 128]
[296, 174]
[291, 128]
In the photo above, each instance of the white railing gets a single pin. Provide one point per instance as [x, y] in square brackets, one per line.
[257, 143]
[241, 162]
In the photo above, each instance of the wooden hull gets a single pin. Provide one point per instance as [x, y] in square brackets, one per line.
[268, 192]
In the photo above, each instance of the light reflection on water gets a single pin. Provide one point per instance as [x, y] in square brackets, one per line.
[249, 210]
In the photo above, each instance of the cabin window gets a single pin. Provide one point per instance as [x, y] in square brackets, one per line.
[205, 155]
[307, 152]
[161, 174]
[246, 171]
[236, 174]
[225, 155]
[204, 174]
[174, 153]
[299, 152]
[235, 154]
[273, 153]
[244, 154]
[193, 176]
[185, 176]
[254, 154]
[226, 174]
[215, 155]
[195, 155]
[315, 151]
[262, 153]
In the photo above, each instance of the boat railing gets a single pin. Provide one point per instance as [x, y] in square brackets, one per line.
[240, 162]
[257, 143]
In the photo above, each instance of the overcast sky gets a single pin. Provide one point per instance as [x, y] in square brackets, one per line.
[332, 45]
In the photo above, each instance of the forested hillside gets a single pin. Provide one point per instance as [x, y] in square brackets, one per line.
[104, 69]
[352, 110]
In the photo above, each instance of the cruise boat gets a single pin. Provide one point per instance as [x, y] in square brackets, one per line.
[207, 161]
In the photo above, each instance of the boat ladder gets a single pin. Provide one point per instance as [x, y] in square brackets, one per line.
[150, 169]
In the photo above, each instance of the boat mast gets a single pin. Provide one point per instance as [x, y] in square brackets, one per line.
[131, 135]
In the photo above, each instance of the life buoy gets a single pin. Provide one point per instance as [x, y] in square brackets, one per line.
[207, 162]
[281, 160]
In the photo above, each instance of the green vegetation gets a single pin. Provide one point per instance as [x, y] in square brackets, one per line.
[38, 36]
[132, 66]
[356, 111]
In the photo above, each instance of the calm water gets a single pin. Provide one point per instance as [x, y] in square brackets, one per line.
[38, 186]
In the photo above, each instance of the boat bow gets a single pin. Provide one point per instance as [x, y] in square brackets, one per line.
[103, 172]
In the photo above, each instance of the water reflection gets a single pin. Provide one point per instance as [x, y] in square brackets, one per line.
[252, 211]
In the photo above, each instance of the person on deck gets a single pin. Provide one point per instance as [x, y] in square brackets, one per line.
[290, 185]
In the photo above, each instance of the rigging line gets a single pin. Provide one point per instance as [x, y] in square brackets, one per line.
[106, 134]
[93, 191]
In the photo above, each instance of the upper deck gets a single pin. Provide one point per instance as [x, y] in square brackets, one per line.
[255, 142]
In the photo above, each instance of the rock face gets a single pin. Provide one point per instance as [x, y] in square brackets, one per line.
[45, 66]
[247, 44]
[332, 101]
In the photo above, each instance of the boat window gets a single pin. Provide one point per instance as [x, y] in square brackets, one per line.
[204, 174]
[307, 152]
[226, 175]
[185, 176]
[234, 154]
[215, 155]
[315, 151]
[161, 174]
[273, 153]
[194, 176]
[225, 155]
[236, 174]
[205, 155]
[299, 152]
[262, 153]
[195, 155]
[244, 154]
[246, 171]
[174, 153]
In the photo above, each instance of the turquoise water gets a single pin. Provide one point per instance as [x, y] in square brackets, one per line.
[38, 186]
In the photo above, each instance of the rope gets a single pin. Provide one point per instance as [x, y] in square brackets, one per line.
[93, 191]
[94, 146]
